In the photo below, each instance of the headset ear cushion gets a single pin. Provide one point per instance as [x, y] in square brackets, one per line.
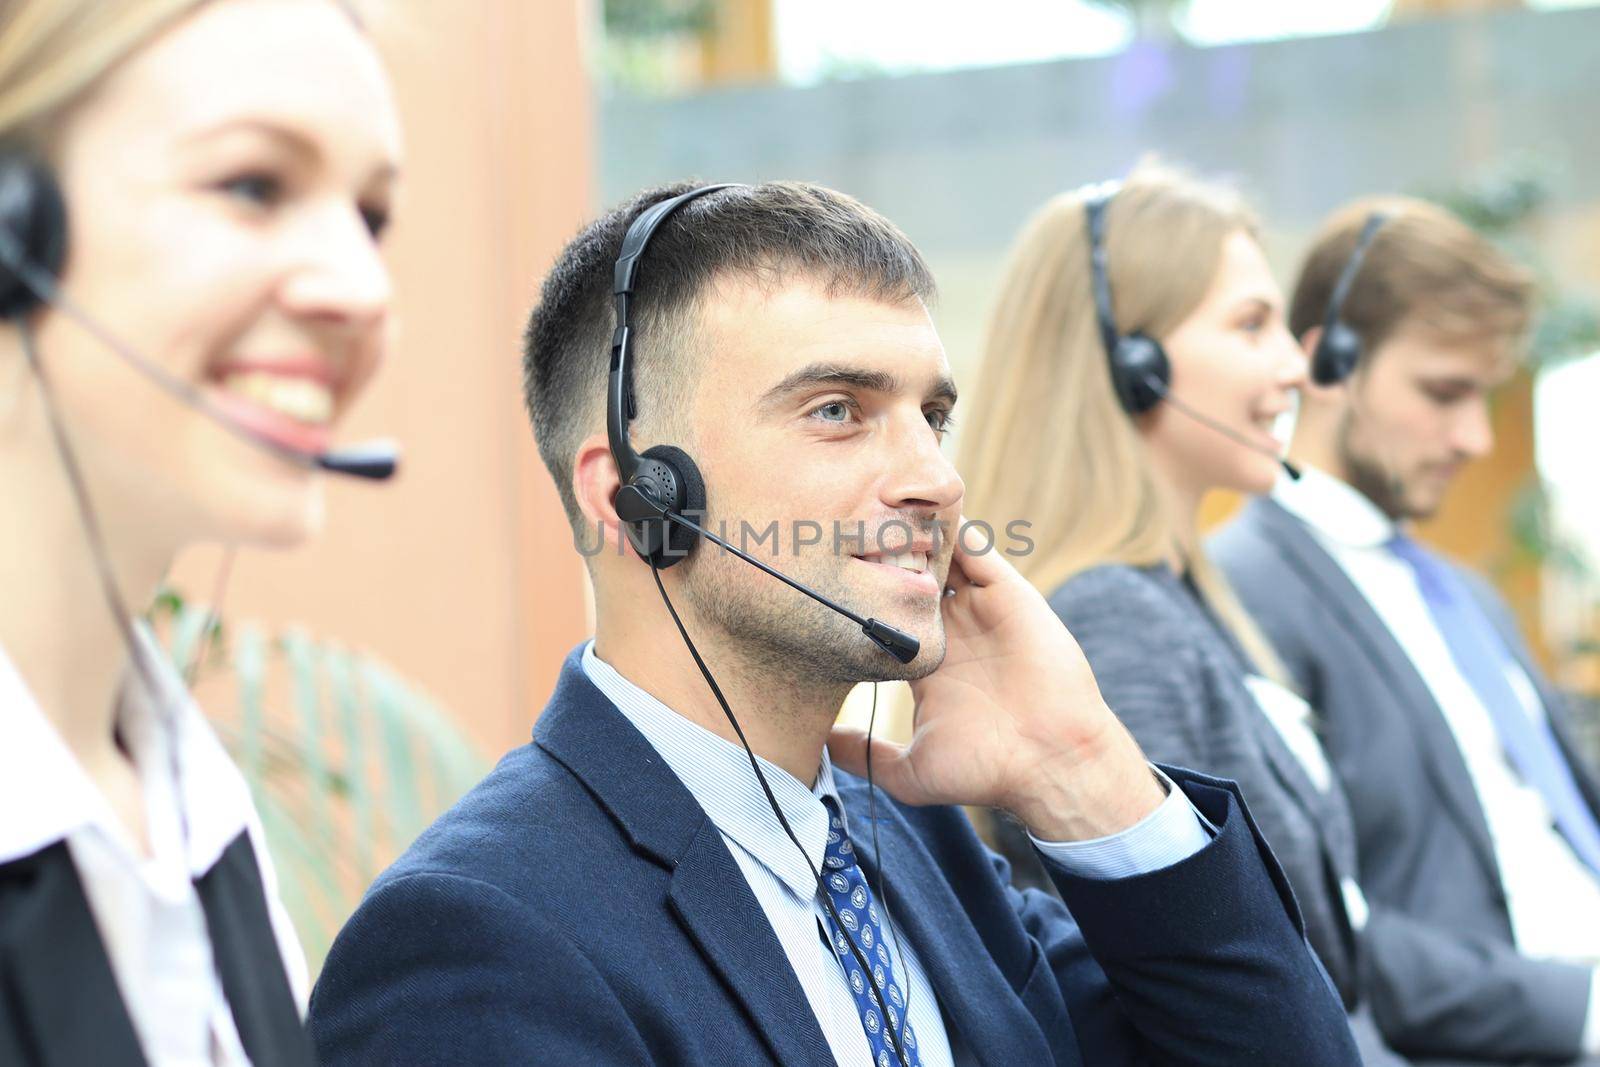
[1140, 372]
[34, 214]
[1338, 351]
[690, 500]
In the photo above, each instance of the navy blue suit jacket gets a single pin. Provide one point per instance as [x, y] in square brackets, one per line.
[578, 906]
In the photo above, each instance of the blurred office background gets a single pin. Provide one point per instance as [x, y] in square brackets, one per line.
[956, 120]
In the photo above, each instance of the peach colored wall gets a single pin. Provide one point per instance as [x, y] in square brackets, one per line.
[460, 573]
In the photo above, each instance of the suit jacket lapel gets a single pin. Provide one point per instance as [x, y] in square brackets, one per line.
[979, 1003]
[711, 898]
[708, 892]
[55, 975]
[1338, 849]
[247, 958]
[1329, 823]
[1338, 594]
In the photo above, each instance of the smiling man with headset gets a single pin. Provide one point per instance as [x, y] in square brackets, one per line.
[676, 870]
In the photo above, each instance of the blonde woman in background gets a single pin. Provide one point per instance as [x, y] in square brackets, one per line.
[226, 168]
[1113, 495]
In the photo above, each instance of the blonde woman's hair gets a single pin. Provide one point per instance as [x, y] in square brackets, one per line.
[1046, 439]
[54, 52]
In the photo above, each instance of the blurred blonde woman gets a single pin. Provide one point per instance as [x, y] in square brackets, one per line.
[225, 169]
[1111, 476]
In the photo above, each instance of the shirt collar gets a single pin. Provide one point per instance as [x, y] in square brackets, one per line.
[717, 774]
[46, 794]
[1335, 509]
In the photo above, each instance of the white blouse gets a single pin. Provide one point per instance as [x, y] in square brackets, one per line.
[145, 906]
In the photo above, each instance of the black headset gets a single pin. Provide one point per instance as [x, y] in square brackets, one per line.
[664, 479]
[1140, 370]
[1339, 348]
[33, 230]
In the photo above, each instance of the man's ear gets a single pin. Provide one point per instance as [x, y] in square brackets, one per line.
[595, 481]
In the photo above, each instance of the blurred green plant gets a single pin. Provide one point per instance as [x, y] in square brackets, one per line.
[347, 761]
[657, 18]
[641, 46]
[1502, 204]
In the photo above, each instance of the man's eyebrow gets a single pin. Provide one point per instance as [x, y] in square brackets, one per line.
[838, 374]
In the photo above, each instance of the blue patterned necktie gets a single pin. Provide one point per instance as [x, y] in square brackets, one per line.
[1482, 657]
[847, 887]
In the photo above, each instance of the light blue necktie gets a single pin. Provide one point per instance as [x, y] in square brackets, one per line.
[1482, 657]
[847, 887]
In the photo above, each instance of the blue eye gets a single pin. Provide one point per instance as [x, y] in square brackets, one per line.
[834, 411]
[257, 188]
[941, 421]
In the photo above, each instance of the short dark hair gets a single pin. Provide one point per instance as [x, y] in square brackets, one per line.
[1424, 266]
[768, 233]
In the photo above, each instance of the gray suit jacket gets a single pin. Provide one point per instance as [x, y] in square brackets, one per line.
[1445, 973]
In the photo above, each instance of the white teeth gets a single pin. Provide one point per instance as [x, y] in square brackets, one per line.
[301, 399]
[909, 561]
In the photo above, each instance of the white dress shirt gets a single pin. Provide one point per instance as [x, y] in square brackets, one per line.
[145, 905]
[717, 774]
[1549, 891]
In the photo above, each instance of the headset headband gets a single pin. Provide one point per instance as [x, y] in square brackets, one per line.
[1352, 267]
[1096, 199]
[622, 407]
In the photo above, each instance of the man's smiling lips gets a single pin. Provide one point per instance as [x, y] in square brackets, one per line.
[910, 566]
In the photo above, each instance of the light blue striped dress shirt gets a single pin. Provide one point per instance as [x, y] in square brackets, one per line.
[717, 774]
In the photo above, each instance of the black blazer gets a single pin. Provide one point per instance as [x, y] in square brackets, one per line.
[59, 1003]
[578, 906]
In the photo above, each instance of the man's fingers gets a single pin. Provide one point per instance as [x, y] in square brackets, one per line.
[977, 557]
[847, 748]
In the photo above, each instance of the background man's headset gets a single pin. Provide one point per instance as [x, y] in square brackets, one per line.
[658, 488]
[33, 249]
[1141, 373]
[1338, 350]
[1340, 347]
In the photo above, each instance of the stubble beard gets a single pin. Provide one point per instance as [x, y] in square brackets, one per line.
[782, 634]
[1376, 480]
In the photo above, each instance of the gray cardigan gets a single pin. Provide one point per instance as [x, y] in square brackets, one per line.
[1176, 677]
